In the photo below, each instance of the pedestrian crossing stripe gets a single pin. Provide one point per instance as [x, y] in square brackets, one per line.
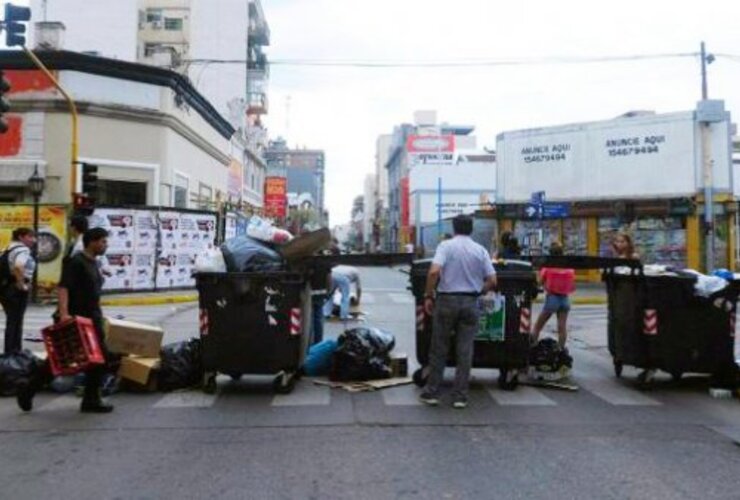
[308, 394]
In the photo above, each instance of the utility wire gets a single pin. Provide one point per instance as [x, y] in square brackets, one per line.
[458, 63]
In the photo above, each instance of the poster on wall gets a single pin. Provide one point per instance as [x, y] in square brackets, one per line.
[143, 271]
[119, 222]
[169, 233]
[119, 270]
[51, 239]
[166, 270]
[145, 225]
[430, 149]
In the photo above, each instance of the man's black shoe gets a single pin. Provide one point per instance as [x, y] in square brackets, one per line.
[24, 398]
[95, 407]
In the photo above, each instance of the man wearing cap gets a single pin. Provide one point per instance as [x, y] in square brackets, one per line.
[461, 271]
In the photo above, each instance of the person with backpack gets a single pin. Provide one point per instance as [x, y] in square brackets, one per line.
[16, 272]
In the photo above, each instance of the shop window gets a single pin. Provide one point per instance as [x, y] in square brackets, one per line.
[658, 240]
[535, 237]
[121, 192]
[181, 192]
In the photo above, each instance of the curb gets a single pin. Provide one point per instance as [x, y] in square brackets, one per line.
[148, 301]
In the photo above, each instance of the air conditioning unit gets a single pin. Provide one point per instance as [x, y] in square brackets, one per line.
[157, 25]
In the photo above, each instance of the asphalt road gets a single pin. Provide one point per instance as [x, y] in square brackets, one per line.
[606, 440]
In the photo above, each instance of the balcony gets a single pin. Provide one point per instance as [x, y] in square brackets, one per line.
[257, 92]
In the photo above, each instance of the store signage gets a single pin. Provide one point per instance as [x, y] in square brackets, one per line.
[430, 149]
[546, 211]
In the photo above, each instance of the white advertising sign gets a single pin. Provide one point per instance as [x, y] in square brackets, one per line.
[655, 155]
[425, 205]
[430, 149]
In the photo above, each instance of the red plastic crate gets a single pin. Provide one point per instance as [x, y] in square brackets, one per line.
[72, 346]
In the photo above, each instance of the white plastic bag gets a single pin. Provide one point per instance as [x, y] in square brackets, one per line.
[210, 261]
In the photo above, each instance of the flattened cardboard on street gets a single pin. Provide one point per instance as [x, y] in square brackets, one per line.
[127, 337]
[138, 369]
[365, 385]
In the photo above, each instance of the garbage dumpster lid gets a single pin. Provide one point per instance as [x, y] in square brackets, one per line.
[306, 244]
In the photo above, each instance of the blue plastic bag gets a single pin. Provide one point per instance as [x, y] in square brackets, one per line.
[318, 360]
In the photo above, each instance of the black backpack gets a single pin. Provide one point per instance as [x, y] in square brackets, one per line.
[6, 277]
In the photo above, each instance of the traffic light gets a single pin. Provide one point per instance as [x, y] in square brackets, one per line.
[4, 104]
[15, 30]
[90, 181]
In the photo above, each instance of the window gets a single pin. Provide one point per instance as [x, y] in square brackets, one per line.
[153, 15]
[173, 24]
[205, 194]
[149, 49]
[181, 192]
[121, 192]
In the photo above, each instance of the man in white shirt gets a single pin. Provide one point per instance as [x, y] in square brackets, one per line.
[461, 271]
[16, 279]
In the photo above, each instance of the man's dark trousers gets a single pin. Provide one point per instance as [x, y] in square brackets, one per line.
[14, 303]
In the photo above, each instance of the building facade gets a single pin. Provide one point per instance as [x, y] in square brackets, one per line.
[154, 138]
[215, 44]
[303, 169]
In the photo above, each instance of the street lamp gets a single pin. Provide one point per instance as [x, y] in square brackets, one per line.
[36, 184]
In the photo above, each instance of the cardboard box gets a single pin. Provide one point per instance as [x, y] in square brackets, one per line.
[127, 337]
[399, 365]
[138, 370]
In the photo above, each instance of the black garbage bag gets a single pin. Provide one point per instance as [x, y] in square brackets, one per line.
[19, 369]
[245, 254]
[181, 365]
[547, 356]
[362, 354]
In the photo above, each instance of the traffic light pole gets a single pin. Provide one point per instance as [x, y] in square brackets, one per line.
[73, 112]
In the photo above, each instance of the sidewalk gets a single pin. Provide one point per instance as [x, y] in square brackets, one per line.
[146, 298]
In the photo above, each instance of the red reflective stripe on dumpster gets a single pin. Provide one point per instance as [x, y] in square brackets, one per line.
[525, 321]
[419, 318]
[204, 322]
[295, 321]
[650, 322]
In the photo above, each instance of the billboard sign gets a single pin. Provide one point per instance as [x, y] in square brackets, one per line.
[430, 149]
[276, 197]
[639, 157]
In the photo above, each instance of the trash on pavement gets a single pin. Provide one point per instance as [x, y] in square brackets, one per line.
[362, 354]
[399, 365]
[181, 365]
[140, 370]
[365, 386]
[548, 361]
[127, 337]
[16, 370]
[318, 360]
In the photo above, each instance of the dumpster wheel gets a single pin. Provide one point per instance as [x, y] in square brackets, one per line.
[420, 376]
[645, 379]
[284, 383]
[618, 366]
[508, 380]
[209, 383]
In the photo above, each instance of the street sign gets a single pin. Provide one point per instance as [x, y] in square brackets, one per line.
[538, 198]
[547, 211]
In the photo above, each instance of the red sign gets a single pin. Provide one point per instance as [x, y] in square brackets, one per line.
[405, 212]
[430, 144]
[276, 197]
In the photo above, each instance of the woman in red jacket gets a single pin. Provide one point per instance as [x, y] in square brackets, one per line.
[558, 284]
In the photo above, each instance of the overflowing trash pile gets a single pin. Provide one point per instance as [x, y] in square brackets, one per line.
[362, 353]
[548, 361]
[253, 252]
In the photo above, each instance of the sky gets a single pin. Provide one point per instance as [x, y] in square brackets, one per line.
[343, 110]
